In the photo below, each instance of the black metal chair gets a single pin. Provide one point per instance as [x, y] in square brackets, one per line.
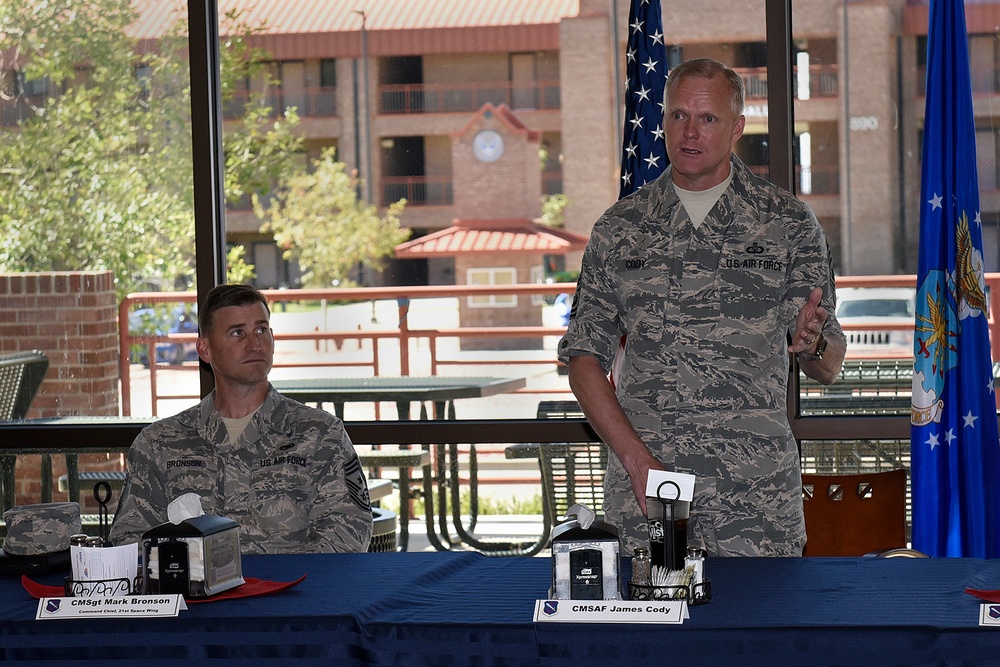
[21, 374]
[572, 472]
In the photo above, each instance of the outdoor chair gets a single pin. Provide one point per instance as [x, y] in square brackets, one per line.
[572, 473]
[21, 374]
[854, 514]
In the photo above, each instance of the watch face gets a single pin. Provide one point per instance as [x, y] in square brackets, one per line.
[488, 146]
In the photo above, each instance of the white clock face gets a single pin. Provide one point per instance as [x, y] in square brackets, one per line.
[488, 146]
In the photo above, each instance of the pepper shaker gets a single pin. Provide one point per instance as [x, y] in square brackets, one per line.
[641, 567]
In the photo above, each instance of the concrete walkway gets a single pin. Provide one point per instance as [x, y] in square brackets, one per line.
[526, 527]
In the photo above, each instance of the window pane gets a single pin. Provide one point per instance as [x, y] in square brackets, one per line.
[869, 132]
[96, 196]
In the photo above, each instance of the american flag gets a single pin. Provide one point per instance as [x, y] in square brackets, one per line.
[644, 151]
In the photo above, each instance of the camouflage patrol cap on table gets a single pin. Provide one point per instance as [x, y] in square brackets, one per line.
[40, 529]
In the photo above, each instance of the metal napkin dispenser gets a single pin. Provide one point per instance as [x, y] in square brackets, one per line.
[197, 557]
[585, 564]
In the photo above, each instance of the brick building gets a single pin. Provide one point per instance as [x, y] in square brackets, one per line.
[388, 83]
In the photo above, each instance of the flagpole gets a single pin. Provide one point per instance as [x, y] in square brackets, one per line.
[616, 75]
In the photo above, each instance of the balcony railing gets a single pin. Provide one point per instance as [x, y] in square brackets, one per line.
[317, 101]
[417, 190]
[823, 81]
[437, 190]
[444, 98]
[314, 101]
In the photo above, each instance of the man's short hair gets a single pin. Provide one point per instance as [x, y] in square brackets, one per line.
[706, 68]
[223, 296]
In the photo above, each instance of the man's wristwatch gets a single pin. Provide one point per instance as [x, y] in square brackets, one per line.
[820, 349]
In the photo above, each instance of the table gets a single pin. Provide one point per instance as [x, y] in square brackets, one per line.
[399, 390]
[444, 472]
[464, 608]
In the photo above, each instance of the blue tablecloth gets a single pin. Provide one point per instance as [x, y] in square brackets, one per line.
[463, 608]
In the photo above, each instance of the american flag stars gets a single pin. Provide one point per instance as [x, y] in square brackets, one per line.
[644, 151]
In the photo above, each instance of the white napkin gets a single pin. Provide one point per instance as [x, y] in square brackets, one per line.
[584, 515]
[184, 507]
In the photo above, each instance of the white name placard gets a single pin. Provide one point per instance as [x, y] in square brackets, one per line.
[657, 487]
[146, 606]
[610, 611]
[989, 614]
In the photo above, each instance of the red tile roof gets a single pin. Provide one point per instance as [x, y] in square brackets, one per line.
[506, 116]
[418, 26]
[518, 236]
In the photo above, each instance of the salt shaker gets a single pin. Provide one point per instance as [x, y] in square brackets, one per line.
[696, 561]
[641, 567]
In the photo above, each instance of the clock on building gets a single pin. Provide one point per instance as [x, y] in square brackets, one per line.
[487, 146]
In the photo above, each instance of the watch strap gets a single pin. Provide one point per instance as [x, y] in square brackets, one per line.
[820, 349]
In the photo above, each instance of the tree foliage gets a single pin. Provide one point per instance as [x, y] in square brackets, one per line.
[96, 170]
[318, 219]
[554, 210]
[82, 171]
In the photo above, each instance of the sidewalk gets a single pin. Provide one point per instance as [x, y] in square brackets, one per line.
[524, 527]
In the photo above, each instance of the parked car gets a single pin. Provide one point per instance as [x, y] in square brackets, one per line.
[182, 318]
[875, 307]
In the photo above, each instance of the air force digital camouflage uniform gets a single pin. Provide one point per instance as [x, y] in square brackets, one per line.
[291, 481]
[707, 312]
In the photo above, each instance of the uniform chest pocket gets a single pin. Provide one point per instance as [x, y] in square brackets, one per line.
[751, 283]
[280, 477]
[644, 287]
[281, 497]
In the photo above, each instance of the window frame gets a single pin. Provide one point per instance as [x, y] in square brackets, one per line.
[209, 210]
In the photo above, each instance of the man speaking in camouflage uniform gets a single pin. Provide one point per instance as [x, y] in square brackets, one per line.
[714, 275]
[285, 472]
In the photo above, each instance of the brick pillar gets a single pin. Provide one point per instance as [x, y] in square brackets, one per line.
[72, 318]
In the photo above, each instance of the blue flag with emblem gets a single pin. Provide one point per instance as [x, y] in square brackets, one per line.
[644, 150]
[955, 450]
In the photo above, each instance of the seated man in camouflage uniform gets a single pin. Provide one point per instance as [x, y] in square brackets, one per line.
[287, 473]
[715, 276]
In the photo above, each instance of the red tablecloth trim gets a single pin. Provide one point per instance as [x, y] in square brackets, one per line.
[252, 588]
[989, 596]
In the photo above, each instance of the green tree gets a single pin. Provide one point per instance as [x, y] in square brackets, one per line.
[82, 176]
[554, 210]
[237, 269]
[97, 170]
[318, 219]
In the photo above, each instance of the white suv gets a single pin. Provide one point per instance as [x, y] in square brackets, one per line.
[876, 307]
